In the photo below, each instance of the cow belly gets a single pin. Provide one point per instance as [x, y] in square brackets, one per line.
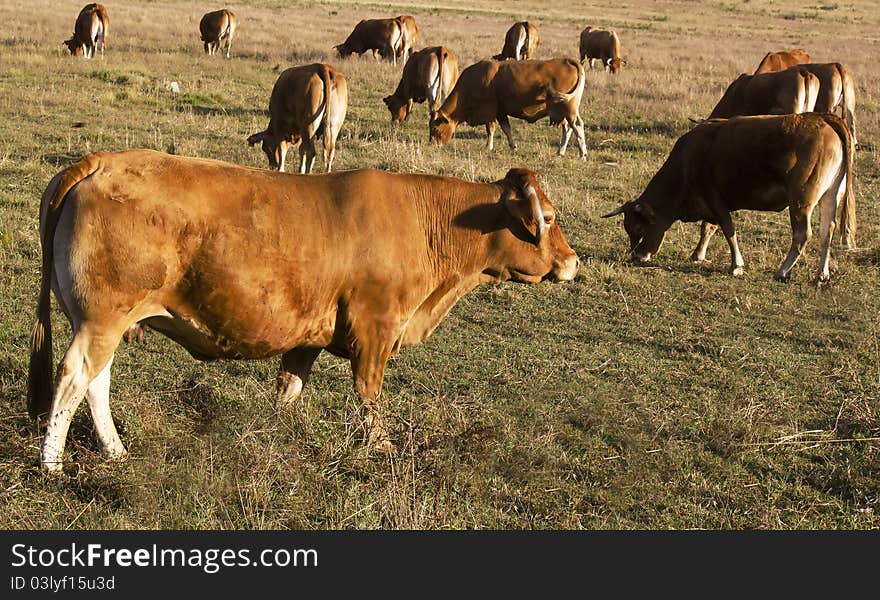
[771, 198]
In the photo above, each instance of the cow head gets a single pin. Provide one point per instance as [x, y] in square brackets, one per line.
[74, 48]
[615, 64]
[441, 128]
[532, 245]
[271, 148]
[398, 108]
[342, 50]
[644, 228]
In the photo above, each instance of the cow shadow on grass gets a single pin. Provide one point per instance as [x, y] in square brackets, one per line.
[664, 128]
[867, 258]
[211, 111]
[61, 160]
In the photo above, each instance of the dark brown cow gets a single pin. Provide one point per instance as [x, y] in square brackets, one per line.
[491, 91]
[307, 102]
[429, 74]
[383, 36]
[837, 92]
[598, 44]
[766, 163]
[779, 61]
[520, 43]
[239, 263]
[409, 36]
[792, 91]
[215, 27]
[89, 31]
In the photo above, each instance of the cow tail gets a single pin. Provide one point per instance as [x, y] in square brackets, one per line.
[848, 101]
[578, 90]
[848, 220]
[441, 96]
[39, 395]
[329, 86]
[525, 48]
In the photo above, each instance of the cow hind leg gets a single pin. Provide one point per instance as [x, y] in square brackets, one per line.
[490, 135]
[707, 230]
[800, 235]
[581, 136]
[566, 137]
[293, 374]
[98, 397]
[737, 263]
[505, 127]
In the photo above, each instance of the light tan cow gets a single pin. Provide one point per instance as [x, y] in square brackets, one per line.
[89, 31]
[779, 61]
[491, 91]
[792, 91]
[430, 74]
[521, 42]
[307, 102]
[384, 37]
[767, 163]
[602, 45]
[837, 92]
[409, 36]
[239, 263]
[215, 27]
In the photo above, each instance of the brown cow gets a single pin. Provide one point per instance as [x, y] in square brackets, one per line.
[777, 93]
[780, 61]
[766, 163]
[383, 36]
[218, 26]
[307, 102]
[89, 31]
[491, 91]
[837, 92]
[429, 74]
[239, 263]
[409, 36]
[520, 43]
[602, 45]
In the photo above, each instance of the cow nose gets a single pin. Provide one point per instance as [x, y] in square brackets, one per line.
[569, 268]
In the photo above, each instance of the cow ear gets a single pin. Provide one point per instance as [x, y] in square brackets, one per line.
[646, 212]
[522, 200]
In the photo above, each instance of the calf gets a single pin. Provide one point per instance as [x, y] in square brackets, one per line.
[429, 74]
[602, 45]
[307, 102]
[491, 91]
[766, 163]
[520, 43]
[383, 36]
[89, 31]
[215, 27]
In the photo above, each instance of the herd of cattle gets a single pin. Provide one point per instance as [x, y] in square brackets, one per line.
[234, 262]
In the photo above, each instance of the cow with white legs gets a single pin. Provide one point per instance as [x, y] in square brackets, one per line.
[492, 91]
[215, 28]
[382, 37]
[307, 103]
[520, 42]
[766, 163]
[429, 75]
[239, 263]
[89, 31]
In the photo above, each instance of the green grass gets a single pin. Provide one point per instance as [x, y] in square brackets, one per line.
[665, 397]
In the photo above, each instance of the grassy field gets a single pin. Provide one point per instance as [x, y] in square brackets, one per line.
[665, 397]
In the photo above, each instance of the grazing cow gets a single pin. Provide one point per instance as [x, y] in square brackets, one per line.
[429, 74]
[780, 61]
[602, 45]
[793, 90]
[766, 163]
[520, 43]
[239, 263]
[89, 31]
[307, 102]
[218, 26]
[383, 36]
[836, 92]
[409, 36]
[491, 91]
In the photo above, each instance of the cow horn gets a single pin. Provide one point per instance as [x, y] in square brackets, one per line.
[537, 214]
[617, 211]
[697, 121]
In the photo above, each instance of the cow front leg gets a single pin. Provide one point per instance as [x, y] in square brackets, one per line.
[505, 127]
[490, 136]
[707, 230]
[368, 368]
[293, 374]
[737, 263]
[800, 235]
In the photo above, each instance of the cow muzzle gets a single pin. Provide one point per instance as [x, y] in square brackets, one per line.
[567, 268]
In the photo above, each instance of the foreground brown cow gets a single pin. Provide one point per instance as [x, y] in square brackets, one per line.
[779, 61]
[383, 36]
[764, 163]
[837, 92]
[89, 31]
[307, 102]
[491, 91]
[409, 36]
[215, 27]
[598, 44]
[792, 91]
[240, 263]
[429, 74]
[520, 42]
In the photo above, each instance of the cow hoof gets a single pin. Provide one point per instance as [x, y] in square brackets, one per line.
[698, 260]
[52, 469]
[822, 281]
[781, 277]
[116, 455]
[737, 271]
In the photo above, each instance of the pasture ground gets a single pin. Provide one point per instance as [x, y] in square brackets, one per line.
[665, 397]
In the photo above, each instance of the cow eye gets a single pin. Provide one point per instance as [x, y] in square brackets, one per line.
[548, 219]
